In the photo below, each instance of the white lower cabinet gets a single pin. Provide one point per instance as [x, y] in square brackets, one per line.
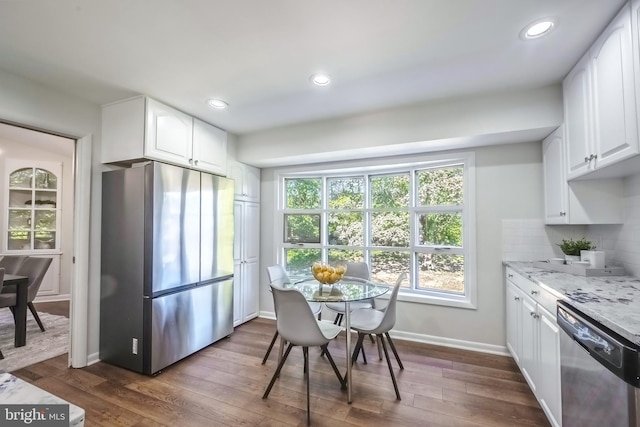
[533, 340]
[549, 366]
[246, 249]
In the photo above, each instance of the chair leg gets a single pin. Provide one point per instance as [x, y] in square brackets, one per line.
[35, 315]
[356, 350]
[335, 368]
[393, 377]
[277, 372]
[393, 348]
[273, 341]
[379, 349]
[1, 356]
[305, 352]
[371, 338]
[338, 320]
[364, 356]
[305, 355]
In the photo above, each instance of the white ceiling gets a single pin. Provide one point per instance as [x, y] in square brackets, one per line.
[259, 54]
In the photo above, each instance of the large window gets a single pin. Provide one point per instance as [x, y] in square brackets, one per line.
[415, 218]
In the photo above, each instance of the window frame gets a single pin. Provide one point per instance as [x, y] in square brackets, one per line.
[391, 166]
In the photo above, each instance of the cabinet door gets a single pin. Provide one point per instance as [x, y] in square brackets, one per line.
[251, 232]
[577, 118]
[50, 284]
[209, 148]
[250, 291]
[169, 134]
[514, 313]
[247, 181]
[555, 182]
[614, 110]
[252, 183]
[529, 354]
[237, 293]
[549, 367]
[246, 252]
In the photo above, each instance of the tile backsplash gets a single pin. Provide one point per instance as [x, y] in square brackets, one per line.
[532, 240]
[623, 241]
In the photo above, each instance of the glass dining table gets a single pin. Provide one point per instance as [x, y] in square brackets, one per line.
[347, 290]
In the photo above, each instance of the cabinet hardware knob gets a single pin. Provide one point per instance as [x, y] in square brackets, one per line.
[196, 162]
[516, 298]
[534, 292]
[533, 314]
[586, 159]
[509, 275]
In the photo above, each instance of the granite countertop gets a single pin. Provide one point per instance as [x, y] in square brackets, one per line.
[614, 301]
[13, 390]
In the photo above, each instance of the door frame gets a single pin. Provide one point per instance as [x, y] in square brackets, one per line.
[78, 310]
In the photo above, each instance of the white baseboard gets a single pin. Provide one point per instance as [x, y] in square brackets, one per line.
[431, 339]
[91, 359]
[53, 298]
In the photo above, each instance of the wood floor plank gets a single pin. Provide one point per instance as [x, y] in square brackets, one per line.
[524, 414]
[222, 385]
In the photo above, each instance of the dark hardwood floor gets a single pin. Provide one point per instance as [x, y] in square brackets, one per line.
[59, 308]
[223, 384]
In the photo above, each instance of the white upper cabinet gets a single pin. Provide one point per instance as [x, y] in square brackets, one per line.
[600, 115]
[247, 181]
[615, 130]
[577, 117]
[141, 128]
[209, 148]
[169, 134]
[599, 201]
[555, 181]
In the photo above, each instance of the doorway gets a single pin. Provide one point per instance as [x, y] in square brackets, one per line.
[19, 145]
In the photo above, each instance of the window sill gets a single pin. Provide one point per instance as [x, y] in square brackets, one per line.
[461, 302]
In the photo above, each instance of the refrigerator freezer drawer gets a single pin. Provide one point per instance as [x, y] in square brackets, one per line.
[187, 321]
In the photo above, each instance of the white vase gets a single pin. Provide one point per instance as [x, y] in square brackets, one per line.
[572, 257]
[594, 258]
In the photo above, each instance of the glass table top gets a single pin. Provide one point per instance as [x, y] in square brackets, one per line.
[346, 290]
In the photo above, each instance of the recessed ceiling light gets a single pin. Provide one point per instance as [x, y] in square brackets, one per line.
[537, 29]
[217, 103]
[320, 79]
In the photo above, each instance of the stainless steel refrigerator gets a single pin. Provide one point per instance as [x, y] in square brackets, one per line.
[167, 264]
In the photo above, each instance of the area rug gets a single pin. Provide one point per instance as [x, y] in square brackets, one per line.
[40, 345]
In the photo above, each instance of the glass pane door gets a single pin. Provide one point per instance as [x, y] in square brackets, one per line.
[32, 210]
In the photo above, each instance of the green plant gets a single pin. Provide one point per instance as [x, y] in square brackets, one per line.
[573, 247]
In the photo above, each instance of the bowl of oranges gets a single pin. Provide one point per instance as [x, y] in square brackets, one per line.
[327, 274]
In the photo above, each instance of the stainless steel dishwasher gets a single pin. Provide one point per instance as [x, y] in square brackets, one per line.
[599, 371]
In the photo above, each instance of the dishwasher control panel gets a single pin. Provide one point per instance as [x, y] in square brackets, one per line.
[612, 351]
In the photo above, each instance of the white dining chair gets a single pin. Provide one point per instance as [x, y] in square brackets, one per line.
[379, 323]
[278, 276]
[297, 325]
